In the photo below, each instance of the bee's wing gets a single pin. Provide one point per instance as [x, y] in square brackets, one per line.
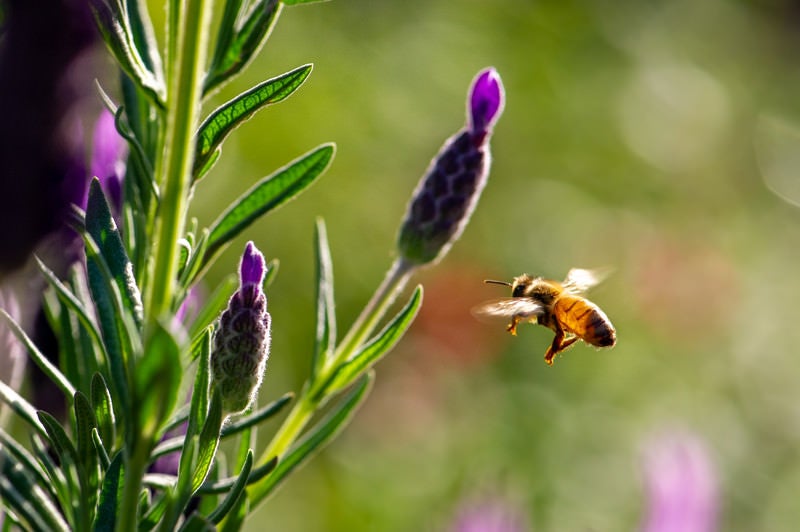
[580, 280]
[507, 307]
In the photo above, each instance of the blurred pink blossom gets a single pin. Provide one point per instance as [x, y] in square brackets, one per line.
[680, 483]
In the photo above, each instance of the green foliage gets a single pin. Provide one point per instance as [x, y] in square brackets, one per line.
[125, 358]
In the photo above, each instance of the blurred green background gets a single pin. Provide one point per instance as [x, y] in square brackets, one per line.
[644, 136]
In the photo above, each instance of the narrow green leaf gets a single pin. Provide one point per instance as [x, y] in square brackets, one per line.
[84, 424]
[200, 172]
[72, 302]
[23, 457]
[253, 419]
[376, 348]
[102, 454]
[111, 315]
[117, 36]
[326, 315]
[173, 444]
[47, 367]
[21, 407]
[19, 492]
[158, 375]
[266, 195]
[318, 436]
[154, 513]
[110, 495]
[102, 228]
[143, 36]
[58, 437]
[236, 491]
[208, 442]
[198, 407]
[197, 523]
[230, 115]
[103, 411]
[235, 518]
[243, 31]
[226, 484]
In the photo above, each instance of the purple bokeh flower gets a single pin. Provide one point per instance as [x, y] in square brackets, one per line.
[681, 485]
[489, 514]
[448, 192]
[109, 151]
[241, 342]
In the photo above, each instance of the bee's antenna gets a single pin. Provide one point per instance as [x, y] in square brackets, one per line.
[491, 281]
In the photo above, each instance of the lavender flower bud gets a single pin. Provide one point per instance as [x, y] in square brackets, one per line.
[448, 192]
[241, 342]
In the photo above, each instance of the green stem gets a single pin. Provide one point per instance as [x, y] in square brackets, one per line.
[311, 398]
[173, 169]
[135, 466]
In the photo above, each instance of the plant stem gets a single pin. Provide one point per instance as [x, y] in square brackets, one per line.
[173, 168]
[311, 398]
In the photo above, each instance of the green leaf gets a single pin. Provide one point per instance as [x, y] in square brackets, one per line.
[198, 407]
[326, 316]
[266, 195]
[173, 444]
[116, 32]
[23, 458]
[38, 357]
[197, 523]
[58, 437]
[21, 407]
[208, 442]
[84, 423]
[110, 495]
[158, 375]
[253, 419]
[318, 436]
[244, 28]
[230, 115]
[235, 519]
[103, 411]
[102, 454]
[19, 492]
[227, 484]
[102, 228]
[154, 513]
[236, 491]
[376, 348]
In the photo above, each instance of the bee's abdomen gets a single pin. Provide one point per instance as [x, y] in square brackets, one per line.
[585, 319]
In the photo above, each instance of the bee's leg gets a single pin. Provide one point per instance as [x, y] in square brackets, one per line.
[559, 344]
[512, 327]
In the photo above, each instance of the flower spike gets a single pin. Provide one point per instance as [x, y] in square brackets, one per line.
[242, 340]
[448, 192]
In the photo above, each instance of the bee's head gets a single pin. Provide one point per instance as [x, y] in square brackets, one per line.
[521, 285]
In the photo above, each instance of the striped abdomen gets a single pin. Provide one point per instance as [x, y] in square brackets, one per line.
[585, 320]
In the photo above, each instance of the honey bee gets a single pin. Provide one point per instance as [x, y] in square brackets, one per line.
[559, 306]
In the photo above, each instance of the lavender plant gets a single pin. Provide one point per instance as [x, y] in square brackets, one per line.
[125, 351]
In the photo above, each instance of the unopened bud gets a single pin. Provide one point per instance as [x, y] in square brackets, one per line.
[241, 341]
[448, 192]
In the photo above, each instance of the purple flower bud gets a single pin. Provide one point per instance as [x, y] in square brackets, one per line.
[448, 192]
[486, 100]
[108, 158]
[241, 341]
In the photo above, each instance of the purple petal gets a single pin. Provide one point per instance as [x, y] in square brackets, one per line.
[681, 485]
[253, 266]
[486, 100]
[108, 157]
